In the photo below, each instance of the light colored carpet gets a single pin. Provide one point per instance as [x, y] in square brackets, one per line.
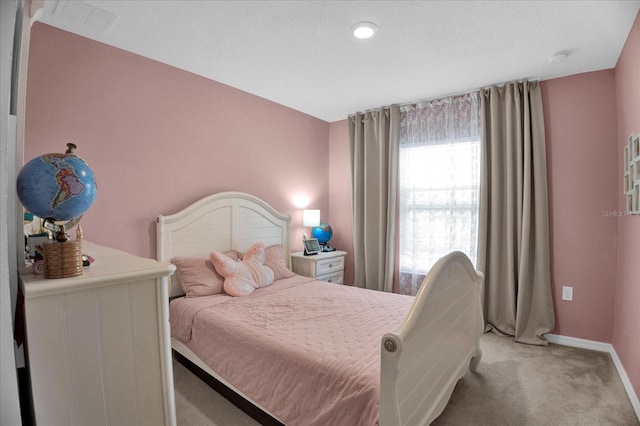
[515, 384]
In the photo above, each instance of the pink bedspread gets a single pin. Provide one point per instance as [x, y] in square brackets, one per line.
[307, 351]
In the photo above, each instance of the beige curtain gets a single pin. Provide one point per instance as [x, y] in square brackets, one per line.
[373, 143]
[513, 249]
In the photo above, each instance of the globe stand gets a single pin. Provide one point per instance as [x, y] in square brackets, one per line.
[59, 230]
[62, 258]
[326, 247]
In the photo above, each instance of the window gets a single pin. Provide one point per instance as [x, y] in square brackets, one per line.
[439, 182]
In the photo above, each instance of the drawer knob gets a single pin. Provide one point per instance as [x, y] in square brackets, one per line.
[331, 265]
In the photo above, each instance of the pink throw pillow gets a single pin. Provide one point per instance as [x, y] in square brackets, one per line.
[197, 276]
[274, 259]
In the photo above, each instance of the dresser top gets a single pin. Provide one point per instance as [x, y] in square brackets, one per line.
[110, 267]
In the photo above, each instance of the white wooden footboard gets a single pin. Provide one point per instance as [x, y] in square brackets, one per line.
[435, 345]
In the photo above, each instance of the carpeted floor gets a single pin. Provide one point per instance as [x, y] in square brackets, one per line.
[515, 384]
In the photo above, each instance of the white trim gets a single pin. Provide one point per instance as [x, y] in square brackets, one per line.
[601, 347]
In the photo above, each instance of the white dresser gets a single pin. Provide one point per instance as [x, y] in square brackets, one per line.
[325, 266]
[98, 345]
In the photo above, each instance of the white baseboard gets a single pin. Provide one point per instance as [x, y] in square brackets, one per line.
[601, 347]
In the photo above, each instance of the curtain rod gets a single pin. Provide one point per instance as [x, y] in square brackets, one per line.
[536, 80]
[403, 104]
[435, 98]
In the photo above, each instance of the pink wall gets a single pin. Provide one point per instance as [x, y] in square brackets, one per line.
[626, 315]
[158, 138]
[340, 192]
[580, 128]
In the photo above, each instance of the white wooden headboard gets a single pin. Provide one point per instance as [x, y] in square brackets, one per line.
[220, 222]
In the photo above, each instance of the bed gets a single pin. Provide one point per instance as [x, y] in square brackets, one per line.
[313, 364]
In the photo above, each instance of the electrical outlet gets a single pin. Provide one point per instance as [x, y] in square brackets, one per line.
[567, 293]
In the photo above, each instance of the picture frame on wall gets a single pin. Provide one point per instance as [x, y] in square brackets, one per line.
[631, 174]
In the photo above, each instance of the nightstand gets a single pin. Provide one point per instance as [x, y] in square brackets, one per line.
[325, 266]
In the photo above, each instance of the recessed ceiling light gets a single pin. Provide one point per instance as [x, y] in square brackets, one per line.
[364, 30]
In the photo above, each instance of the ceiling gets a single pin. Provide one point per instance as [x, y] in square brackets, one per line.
[301, 54]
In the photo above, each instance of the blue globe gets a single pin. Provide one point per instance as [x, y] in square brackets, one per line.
[323, 233]
[57, 186]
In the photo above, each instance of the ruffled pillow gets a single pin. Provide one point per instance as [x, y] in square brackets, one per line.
[274, 259]
[241, 278]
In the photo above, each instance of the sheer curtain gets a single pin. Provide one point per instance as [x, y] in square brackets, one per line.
[439, 179]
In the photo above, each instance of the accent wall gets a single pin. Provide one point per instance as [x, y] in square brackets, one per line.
[626, 313]
[159, 138]
[582, 170]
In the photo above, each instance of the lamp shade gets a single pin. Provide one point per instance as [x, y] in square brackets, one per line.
[310, 217]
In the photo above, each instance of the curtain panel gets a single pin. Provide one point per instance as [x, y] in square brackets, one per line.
[373, 143]
[513, 249]
[439, 184]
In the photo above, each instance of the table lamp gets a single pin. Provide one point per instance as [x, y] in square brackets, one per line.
[310, 218]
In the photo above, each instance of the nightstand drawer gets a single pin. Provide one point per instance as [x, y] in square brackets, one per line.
[336, 277]
[327, 266]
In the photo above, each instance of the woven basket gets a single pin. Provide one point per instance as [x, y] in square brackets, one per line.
[63, 260]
